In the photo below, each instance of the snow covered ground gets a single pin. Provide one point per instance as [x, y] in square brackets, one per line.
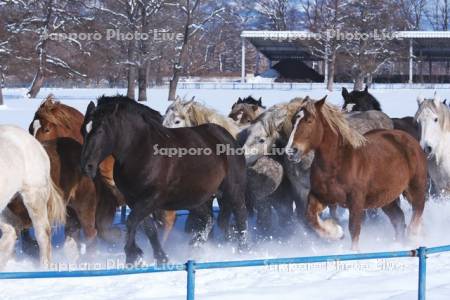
[378, 279]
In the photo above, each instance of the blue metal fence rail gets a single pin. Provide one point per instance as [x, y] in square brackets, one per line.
[191, 266]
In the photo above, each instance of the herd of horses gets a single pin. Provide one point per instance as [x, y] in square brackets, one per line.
[298, 159]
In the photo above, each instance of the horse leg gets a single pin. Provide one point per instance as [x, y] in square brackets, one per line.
[397, 218]
[327, 229]
[37, 210]
[204, 224]
[170, 216]
[107, 202]
[152, 234]
[264, 216]
[236, 199]
[417, 200]
[85, 205]
[7, 242]
[223, 218]
[356, 211]
[138, 213]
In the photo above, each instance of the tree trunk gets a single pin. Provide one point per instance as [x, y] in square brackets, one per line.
[1, 86]
[359, 82]
[142, 82]
[131, 88]
[173, 85]
[331, 71]
[37, 83]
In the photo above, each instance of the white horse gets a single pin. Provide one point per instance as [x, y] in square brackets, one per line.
[25, 172]
[192, 113]
[433, 117]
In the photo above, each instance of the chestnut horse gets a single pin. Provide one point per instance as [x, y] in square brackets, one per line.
[54, 119]
[356, 171]
[78, 190]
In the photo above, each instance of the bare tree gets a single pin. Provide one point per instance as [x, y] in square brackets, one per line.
[326, 18]
[45, 22]
[413, 12]
[190, 11]
[437, 13]
[371, 23]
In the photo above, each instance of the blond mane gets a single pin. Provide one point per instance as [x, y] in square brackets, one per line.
[337, 122]
[199, 114]
[278, 118]
[53, 111]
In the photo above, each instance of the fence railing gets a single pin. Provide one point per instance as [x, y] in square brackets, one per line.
[192, 266]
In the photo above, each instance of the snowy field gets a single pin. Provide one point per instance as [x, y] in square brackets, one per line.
[377, 279]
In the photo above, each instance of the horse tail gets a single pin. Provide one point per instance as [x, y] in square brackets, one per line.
[56, 207]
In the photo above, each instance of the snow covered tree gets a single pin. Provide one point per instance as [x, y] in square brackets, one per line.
[134, 17]
[194, 16]
[368, 41]
[45, 22]
[326, 18]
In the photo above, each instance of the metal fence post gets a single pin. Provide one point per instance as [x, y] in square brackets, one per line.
[190, 268]
[421, 253]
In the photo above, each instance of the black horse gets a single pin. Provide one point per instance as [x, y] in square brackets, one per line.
[363, 101]
[150, 179]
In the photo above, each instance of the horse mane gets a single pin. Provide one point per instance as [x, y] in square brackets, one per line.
[200, 114]
[337, 122]
[438, 108]
[250, 100]
[57, 113]
[280, 113]
[110, 104]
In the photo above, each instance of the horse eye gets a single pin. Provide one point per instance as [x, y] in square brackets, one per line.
[46, 130]
[435, 120]
[177, 122]
[261, 141]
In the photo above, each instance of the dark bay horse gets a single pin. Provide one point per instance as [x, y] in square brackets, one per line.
[245, 110]
[355, 171]
[150, 180]
[78, 192]
[54, 119]
[364, 101]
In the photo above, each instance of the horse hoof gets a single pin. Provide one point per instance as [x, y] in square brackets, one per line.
[162, 260]
[134, 256]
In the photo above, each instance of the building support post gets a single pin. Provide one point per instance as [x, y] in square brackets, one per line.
[411, 52]
[243, 61]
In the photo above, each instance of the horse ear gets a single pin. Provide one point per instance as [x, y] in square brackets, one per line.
[420, 99]
[90, 109]
[344, 93]
[366, 89]
[320, 103]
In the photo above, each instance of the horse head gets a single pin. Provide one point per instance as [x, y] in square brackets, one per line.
[433, 116]
[54, 120]
[359, 100]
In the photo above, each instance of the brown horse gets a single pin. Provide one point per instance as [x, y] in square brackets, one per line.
[78, 191]
[54, 119]
[356, 171]
[246, 110]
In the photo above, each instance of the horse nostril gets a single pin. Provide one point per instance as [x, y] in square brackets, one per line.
[294, 150]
